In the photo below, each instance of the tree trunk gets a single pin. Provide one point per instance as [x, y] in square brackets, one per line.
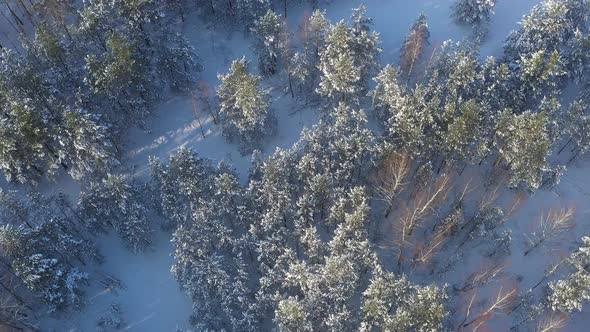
[566, 144]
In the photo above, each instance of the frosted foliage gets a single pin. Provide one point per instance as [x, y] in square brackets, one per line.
[569, 294]
[474, 11]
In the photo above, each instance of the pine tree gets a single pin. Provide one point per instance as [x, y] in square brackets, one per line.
[116, 203]
[56, 284]
[85, 145]
[541, 73]
[291, 315]
[340, 77]
[414, 45]
[178, 63]
[305, 65]
[251, 10]
[348, 59]
[268, 31]
[414, 307]
[184, 182]
[466, 137]
[390, 93]
[245, 107]
[24, 153]
[36, 262]
[523, 142]
[473, 11]
[577, 126]
[120, 75]
[570, 293]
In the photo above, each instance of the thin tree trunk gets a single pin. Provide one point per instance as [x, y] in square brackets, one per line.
[566, 144]
[16, 18]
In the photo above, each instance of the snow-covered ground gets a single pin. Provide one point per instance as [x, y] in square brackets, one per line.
[151, 299]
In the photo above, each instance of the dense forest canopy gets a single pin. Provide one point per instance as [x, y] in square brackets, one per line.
[415, 166]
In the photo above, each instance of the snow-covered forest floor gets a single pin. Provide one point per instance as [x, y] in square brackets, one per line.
[149, 295]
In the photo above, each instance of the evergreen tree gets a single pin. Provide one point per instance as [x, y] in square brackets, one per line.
[251, 10]
[268, 31]
[466, 137]
[184, 182]
[24, 142]
[178, 63]
[570, 293]
[523, 142]
[348, 59]
[85, 145]
[473, 11]
[120, 75]
[305, 65]
[390, 93]
[392, 303]
[541, 73]
[245, 107]
[414, 45]
[36, 262]
[577, 127]
[116, 203]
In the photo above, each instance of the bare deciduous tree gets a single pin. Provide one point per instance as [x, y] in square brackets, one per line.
[391, 177]
[555, 222]
[420, 207]
[502, 303]
[552, 322]
[484, 276]
[442, 233]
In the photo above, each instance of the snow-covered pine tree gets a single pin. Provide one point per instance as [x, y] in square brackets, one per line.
[389, 94]
[209, 253]
[541, 74]
[406, 120]
[251, 10]
[473, 11]
[245, 107]
[348, 59]
[523, 141]
[58, 285]
[304, 64]
[177, 62]
[268, 31]
[24, 144]
[184, 182]
[340, 77]
[12, 210]
[467, 136]
[85, 145]
[570, 293]
[121, 76]
[392, 303]
[115, 202]
[41, 268]
[577, 127]
[414, 45]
